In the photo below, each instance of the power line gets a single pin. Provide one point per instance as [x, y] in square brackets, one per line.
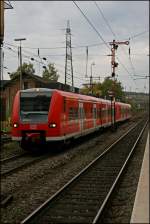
[89, 45]
[91, 25]
[139, 34]
[99, 9]
[35, 47]
[15, 52]
[81, 46]
[63, 47]
[104, 18]
[26, 56]
[133, 69]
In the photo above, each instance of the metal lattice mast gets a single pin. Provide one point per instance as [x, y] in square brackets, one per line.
[68, 62]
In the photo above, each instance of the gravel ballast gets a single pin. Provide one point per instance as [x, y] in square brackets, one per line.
[32, 186]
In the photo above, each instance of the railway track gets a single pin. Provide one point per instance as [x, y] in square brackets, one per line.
[12, 157]
[83, 198]
[15, 163]
[5, 139]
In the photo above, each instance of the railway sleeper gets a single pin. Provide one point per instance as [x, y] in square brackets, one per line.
[68, 217]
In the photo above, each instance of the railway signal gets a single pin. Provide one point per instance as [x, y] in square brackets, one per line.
[114, 65]
[114, 45]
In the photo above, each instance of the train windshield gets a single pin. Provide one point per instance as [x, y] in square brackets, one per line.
[34, 106]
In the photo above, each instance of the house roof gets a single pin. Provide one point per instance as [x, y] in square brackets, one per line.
[5, 83]
[45, 83]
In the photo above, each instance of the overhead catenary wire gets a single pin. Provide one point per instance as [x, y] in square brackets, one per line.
[102, 14]
[99, 34]
[133, 69]
[79, 46]
[82, 45]
[110, 28]
[91, 24]
[139, 34]
[57, 64]
[61, 47]
[61, 55]
[136, 35]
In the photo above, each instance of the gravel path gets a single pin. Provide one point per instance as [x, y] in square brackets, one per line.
[33, 185]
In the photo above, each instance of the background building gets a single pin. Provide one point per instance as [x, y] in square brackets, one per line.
[9, 88]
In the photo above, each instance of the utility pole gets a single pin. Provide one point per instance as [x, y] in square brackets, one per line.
[91, 79]
[114, 64]
[3, 5]
[86, 61]
[20, 57]
[1, 35]
[68, 61]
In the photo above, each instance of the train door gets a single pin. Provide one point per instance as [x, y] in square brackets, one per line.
[81, 116]
[106, 113]
[100, 113]
[112, 113]
[94, 114]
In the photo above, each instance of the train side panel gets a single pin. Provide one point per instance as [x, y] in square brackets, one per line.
[69, 115]
[15, 132]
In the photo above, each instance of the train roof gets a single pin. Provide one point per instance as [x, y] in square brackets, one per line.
[72, 95]
[86, 97]
[80, 96]
[37, 89]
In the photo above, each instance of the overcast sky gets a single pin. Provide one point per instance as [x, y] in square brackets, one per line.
[43, 24]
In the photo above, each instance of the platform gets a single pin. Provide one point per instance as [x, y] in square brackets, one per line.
[140, 213]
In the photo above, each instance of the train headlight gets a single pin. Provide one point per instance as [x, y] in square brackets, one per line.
[52, 125]
[15, 125]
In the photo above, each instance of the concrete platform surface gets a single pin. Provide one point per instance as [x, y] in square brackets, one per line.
[140, 213]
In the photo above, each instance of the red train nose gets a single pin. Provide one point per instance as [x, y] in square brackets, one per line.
[33, 137]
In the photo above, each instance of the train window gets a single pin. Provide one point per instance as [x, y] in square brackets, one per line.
[64, 104]
[109, 111]
[95, 113]
[34, 106]
[123, 111]
[87, 110]
[73, 113]
[103, 113]
[98, 113]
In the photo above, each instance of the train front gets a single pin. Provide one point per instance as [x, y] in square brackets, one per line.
[30, 117]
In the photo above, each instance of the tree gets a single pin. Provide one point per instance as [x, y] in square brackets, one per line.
[26, 69]
[96, 89]
[50, 73]
[105, 89]
[112, 86]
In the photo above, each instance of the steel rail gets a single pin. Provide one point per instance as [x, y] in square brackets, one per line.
[12, 157]
[10, 171]
[6, 201]
[5, 140]
[43, 205]
[99, 213]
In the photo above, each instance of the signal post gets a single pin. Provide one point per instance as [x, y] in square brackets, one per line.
[114, 65]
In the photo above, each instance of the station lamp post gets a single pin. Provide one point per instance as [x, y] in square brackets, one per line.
[20, 57]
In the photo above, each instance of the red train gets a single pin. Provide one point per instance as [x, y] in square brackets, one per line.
[43, 115]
